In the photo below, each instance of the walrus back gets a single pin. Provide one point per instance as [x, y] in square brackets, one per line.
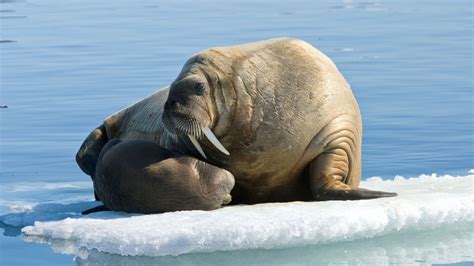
[139, 121]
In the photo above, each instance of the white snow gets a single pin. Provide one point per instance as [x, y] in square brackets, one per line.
[424, 203]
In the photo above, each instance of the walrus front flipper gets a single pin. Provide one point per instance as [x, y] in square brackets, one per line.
[356, 194]
[100, 208]
[335, 173]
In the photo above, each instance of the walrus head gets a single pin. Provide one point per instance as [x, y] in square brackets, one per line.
[192, 109]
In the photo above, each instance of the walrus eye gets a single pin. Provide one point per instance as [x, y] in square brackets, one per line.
[199, 88]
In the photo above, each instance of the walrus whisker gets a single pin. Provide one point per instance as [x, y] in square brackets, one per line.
[197, 130]
[197, 145]
[213, 139]
[187, 125]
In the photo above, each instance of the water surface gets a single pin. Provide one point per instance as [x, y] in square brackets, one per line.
[65, 66]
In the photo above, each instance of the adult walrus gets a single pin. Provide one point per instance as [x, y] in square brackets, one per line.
[141, 176]
[277, 114]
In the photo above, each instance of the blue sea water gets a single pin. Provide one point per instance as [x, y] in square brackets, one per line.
[66, 65]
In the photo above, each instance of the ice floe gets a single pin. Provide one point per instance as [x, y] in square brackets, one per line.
[427, 202]
[443, 245]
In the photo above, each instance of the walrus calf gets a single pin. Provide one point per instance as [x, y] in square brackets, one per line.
[141, 176]
[277, 114]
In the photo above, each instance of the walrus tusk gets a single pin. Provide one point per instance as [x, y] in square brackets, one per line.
[213, 139]
[197, 145]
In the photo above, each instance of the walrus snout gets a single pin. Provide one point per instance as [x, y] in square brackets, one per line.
[182, 124]
[186, 111]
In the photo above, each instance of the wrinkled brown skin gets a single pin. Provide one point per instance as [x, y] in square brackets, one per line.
[140, 176]
[280, 107]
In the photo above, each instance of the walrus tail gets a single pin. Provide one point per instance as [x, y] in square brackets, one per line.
[356, 194]
[95, 209]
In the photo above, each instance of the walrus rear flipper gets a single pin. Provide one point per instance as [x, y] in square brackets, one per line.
[100, 208]
[90, 149]
[356, 194]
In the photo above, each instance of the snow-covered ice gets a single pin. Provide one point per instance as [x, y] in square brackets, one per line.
[425, 202]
